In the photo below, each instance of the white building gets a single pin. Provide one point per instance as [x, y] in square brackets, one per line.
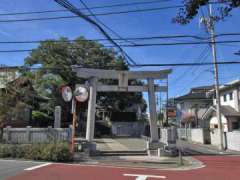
[192, 106]
[230, 115]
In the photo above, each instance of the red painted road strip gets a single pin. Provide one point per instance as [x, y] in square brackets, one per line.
[217, 168]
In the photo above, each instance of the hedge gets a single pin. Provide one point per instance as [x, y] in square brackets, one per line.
[56, 152]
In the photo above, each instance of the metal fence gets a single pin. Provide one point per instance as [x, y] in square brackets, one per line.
[31, 135]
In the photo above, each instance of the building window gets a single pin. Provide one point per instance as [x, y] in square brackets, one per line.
[215, 126]
[231, 96]
[225, 97]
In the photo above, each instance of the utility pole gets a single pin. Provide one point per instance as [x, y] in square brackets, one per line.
[209, 22]
[167, 102]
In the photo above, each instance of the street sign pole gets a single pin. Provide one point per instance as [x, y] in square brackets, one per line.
[74, 120]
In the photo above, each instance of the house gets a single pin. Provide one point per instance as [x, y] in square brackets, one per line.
[191, 106]
[230, 115]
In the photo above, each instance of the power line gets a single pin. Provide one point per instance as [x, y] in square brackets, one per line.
[89, 15]
[132, 66]
[129, 45]
[96, 14]
[74, 10]
[201, 56]
[120, 39]
[111, 30]
[94, 7]
[178, 43]
[186, 64]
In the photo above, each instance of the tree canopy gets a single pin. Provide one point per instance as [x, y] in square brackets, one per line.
[53, 60]
[192, 7]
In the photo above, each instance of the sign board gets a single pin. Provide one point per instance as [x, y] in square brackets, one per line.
[172, 112]
[67, 93]
[81, 93]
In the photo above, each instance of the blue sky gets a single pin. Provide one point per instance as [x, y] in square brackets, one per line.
[127, 25]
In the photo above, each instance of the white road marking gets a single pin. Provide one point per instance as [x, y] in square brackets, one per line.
[37, 167]
[144, 177]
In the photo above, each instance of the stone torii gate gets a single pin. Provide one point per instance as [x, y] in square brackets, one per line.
[93, 75]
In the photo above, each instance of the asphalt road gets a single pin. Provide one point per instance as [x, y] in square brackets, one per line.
[10, 168]
[217, 168]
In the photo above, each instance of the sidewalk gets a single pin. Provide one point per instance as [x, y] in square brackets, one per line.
[192, 148]
[152, 162]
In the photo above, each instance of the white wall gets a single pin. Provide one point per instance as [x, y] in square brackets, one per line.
[197, 135]
[233, 139]
[234, 103]
[215, 139]
[214, 121]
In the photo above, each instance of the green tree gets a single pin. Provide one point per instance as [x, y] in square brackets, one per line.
[192, 7]
[14, 99]
[56, 59]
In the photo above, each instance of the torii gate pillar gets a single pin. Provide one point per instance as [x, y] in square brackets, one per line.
[91, 109]
[152, 111]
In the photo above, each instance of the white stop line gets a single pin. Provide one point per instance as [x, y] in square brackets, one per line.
[144, 177]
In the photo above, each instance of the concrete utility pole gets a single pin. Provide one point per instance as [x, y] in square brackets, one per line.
[167, 102]
[211, 29]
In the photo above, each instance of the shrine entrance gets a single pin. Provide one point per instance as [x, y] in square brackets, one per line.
[93, 76]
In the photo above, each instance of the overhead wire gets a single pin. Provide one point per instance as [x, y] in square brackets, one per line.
[89, 15]
[74, 10]
[236, 62]
[126, 56]
[130, 45]
[91, 8]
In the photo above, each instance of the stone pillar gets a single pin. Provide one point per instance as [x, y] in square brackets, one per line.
[8, 134]
[91, 110]
[27, 115]
[57, 117]
[28, 134]
[152, 111]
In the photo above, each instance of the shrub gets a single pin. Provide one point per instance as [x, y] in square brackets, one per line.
[5, 151]
[34, 151]
[57, 152]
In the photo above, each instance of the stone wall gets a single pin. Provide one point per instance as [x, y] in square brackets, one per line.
[30, 135]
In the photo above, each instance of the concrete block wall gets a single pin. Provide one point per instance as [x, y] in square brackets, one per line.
[197, 135]
[168, 135]
[233, 140]
[215, 140]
